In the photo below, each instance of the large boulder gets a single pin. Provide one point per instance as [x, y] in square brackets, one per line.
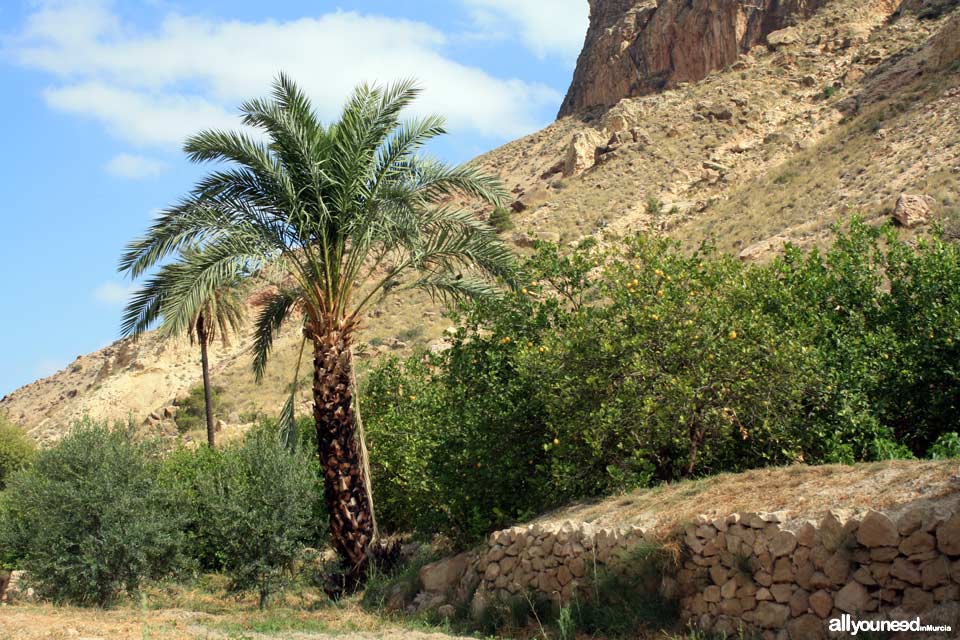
[444, 575]
[582, 152]
[912, 210]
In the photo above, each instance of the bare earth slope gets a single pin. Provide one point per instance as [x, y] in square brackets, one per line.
[800, 492]
[840, 112]
[861, 106]
[142, 380]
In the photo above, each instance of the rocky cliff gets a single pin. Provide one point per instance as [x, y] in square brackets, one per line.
[637, 47]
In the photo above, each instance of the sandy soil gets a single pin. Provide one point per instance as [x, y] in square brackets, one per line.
[803, 492]
[47, 622]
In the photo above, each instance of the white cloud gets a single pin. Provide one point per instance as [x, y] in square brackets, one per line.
[547, 27]
[153, 88]
[134, 167]
[113, 293]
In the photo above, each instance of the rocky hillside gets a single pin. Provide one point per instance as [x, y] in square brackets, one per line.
[638, 47]
[145, 380]
[751, 123]
[842, 112]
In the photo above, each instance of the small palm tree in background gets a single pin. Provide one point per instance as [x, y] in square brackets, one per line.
[349, 212]
[221, 315]
[218, 312]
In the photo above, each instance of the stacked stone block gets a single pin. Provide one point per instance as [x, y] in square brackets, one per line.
[751, 571]
[553, 561]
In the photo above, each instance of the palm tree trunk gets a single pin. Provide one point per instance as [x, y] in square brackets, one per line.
[344, 480]
[207, 394]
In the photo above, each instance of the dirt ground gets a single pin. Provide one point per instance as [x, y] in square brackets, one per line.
[48, 622]
[801, 491]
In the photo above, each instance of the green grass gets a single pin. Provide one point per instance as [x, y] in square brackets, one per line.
[273, 622]
[405, 577]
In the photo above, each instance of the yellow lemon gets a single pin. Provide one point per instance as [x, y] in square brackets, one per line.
[556, 441]
[733, 335]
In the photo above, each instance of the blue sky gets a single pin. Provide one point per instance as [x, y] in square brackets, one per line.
[100, 94]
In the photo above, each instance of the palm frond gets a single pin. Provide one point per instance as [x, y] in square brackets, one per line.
[173, 229]
[326, 203]
[447, 287]
[274, 310]
[438, 181]
[196, 277]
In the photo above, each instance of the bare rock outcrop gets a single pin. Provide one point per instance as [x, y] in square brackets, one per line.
[637, 47]
[912, 210]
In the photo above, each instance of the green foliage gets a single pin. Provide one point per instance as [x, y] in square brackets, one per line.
[403, 581]
[192, 409]
[946, 447]
[643, 364]
[623, 598]
[566, 627]
[89, 520]
[501, 220]
[259, 506]
[411, 334]
[828, 92]
[17, 451]
[192, 475]
[376, 195]
[654, 205]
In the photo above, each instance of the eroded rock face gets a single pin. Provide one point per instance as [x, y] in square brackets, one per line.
[636, 47]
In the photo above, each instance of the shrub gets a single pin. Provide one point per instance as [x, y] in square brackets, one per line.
[623, 598]
[946, 447]
[193, 410]
[654, 205]
[612, 369]
[192, 475]
[260, 506]
[17, 451]
[501, 220]
[89, 521]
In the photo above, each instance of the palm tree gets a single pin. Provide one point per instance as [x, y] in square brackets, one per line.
[349, 211]
[221, 315]
[220, 312]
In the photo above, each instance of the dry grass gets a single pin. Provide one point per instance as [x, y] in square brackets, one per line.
[801, 491]
[177, 613]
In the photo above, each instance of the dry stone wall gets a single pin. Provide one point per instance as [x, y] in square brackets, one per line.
[551, 560]
[753, 572]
